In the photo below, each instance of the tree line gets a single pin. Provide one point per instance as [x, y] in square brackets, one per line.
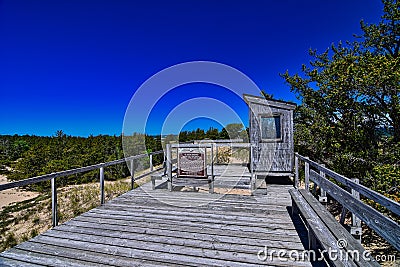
[27, 156]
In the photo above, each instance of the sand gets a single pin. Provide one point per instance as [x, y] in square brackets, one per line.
[13, 195]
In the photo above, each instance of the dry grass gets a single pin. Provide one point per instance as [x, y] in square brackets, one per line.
[23, 220]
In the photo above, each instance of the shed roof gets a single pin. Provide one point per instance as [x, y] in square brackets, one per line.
[268, 102]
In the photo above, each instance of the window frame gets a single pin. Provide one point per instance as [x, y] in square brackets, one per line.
[273, 115]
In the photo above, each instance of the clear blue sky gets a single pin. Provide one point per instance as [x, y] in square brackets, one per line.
[73, 65]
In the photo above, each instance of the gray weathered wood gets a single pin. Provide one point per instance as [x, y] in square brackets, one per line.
[271, 155]
[322, 196]
[384, 226]
[102, 197]
[151, 162]
[356, 229]
[365, 191]
[317, 229]
[160, 229]
[190, 145]
[132, 169]
[144, 233]
[211, 185]
[54, 218]
[307, 175]
[337, 230]
[169, 166]
[9, 261]
[296, 173]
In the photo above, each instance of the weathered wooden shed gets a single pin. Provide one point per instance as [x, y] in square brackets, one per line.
[271, 135]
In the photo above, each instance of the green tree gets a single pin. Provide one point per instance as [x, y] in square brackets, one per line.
[236, 131]
[212, 133]
[350, 111]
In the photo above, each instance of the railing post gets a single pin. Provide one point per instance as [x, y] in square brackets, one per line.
[322, 197]
[132, 175]
[169, 167]
[102, 198]
[151, 162]
[307, 174]
[296, 171]
[54, 218]
[211, 188]
[252, 178]
[356, 229]
[343, 215]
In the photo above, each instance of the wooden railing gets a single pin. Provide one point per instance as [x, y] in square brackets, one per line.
[383, 225]
[52, 177]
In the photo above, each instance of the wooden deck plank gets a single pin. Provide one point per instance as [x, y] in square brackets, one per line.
[162, 253]
[10, 262]
[192, 229]
[195, 213]
[199, 203]
[150, 251]
[31, 256]
[198, 216]
[221, 237]
[147, 227]
[70, 254]
[188, 201]
[210, 226]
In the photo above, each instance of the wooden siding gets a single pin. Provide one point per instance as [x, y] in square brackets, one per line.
[272, 156]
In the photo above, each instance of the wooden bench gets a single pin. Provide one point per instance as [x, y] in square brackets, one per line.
[326, 234]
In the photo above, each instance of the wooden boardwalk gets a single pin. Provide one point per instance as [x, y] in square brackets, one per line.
[161, 228]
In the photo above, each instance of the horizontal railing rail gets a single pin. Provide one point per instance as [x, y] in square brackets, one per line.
[363, 190]
[350, 201]
[52, 177]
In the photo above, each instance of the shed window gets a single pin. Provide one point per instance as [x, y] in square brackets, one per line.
[271, 128]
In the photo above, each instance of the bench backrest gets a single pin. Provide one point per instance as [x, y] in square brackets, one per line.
[383, 225]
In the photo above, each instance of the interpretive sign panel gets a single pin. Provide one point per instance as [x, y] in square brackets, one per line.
[192, 162]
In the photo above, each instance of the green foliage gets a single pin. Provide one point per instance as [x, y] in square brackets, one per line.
[230, 131]
[350, 112]
[31, 156]
[385, 179]
[236, 131]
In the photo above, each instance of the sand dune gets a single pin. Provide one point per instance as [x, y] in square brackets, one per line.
[13, 195]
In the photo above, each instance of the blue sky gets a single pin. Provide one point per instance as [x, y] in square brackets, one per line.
[75, 65]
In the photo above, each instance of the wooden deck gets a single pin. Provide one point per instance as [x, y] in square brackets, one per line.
[172, 229]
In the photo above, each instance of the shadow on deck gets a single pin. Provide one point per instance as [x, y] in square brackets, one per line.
[162, 228]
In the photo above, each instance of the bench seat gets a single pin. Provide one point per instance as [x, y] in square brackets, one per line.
[327, 234]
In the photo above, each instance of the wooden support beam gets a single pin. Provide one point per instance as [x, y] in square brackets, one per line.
[384, 226]
[102, 198]
[322, 195]
[132, 174]
[296, 172]
[169, 166]
[307, 174]
[356, 229]
[54, 218]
